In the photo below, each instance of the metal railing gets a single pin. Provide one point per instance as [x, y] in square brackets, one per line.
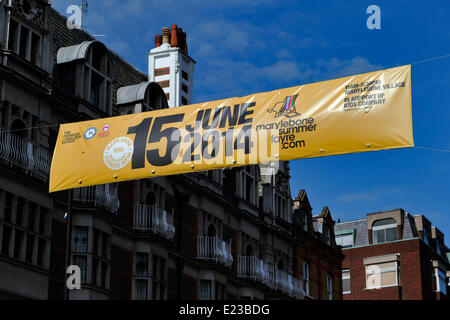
[34, 159]
[255, 269]
[288, 284]
[103, 196]
[212, 248]
[152, 218]
[265, 273]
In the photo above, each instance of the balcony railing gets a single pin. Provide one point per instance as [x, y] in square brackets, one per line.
[34, 159]
[103, 196]
[214, 249]
[255, 269]
[288, 284]
[264, 272]
[152, 218]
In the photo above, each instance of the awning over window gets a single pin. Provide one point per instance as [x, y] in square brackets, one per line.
[73, 53]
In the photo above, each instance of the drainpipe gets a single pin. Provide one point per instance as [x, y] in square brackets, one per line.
[182, 201]
[68, 242]
[6, 38]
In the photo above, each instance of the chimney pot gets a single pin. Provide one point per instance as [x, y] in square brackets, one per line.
[165, 35]
[174, 36]
[158, 40]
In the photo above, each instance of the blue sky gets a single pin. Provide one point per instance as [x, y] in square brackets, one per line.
[243, 47]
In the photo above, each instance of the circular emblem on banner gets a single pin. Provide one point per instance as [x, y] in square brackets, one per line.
[118, 153]
[90, 133]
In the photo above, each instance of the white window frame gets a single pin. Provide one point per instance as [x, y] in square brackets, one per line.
[384, 227]
[338, 237]
[306, 277]
[346, 277]
[330, 286]
[381, 271]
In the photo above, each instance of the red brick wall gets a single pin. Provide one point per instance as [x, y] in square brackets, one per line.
[410, 271]
[322, 259]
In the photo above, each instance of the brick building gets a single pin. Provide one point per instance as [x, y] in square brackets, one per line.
[393, 255]
[222, 234]
[319, 258]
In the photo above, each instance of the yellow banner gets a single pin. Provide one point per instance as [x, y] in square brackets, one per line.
[361, 113]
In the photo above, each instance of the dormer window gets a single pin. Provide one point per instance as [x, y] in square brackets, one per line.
[92, 64]
[345, 239]
[143, 97]
[384, 231]
[97, 78]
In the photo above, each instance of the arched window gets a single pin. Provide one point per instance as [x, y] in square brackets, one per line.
[17, 128]
[384, 231]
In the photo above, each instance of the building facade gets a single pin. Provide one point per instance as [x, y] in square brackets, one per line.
[393, 255]
[222, 234]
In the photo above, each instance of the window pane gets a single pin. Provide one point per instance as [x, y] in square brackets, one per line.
[379, 237]
[23, 42]
[104, 273]
[80, 239]
[35, 46]
[384, 222]
[346, 285]
[30, 247]
[391, 234]
[20, 235]
[141, 264]
[141, 289]
[373, 280]
[389, 278]
[42, 244]
[82, 263]
[94, 270]
[442, 282]
[13, 29]
[6, 239]
[205, 290]
[96, 83]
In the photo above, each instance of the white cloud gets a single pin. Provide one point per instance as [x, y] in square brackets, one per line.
[358, 197]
